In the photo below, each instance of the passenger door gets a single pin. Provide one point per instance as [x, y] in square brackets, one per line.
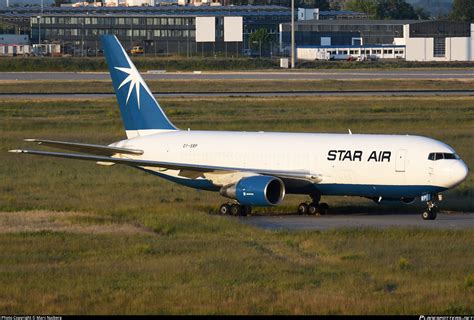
[401, 160]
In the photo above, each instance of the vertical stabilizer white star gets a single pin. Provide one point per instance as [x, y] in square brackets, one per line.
[134, 78]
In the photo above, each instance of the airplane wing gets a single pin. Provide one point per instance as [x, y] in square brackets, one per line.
[86, 148]
[296, 174]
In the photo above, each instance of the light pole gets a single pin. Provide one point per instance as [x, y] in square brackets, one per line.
[82, 38]
[39, 33]
[131, 33]
[292, 34]
[187, 30]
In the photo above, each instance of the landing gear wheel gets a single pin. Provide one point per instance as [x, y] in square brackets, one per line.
[430, 214]
[313, 209]
[425, 215]
[246, 211]
[302, 208]
[224, 209]
[323, 208]
[235, 209]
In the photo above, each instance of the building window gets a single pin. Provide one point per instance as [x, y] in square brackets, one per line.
[439, 47]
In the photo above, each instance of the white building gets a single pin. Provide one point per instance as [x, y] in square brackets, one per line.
[438, 41]
[350, 52]
[15, 50]
[308, 14]
[129, 3]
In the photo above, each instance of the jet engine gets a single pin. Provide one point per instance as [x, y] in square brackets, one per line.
[256, 191]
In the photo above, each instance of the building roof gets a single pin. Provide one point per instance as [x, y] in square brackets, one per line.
[357, 22]
[166, 8]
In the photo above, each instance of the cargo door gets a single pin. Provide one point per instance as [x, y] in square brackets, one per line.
[401, 160]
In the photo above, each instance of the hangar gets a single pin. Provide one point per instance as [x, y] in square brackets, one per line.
[438, 41]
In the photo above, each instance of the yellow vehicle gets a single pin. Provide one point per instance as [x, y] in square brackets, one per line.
[137, 50]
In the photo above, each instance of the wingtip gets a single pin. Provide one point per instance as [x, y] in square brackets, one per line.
[29, 140]
[17, 151]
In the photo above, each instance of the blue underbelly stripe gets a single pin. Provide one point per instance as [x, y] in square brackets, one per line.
[334, 189]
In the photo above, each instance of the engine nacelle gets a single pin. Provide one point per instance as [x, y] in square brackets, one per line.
[256, 191]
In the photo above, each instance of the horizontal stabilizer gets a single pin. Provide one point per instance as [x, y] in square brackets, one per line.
[86, 148]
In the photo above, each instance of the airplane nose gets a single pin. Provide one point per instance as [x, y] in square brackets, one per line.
[459, 171]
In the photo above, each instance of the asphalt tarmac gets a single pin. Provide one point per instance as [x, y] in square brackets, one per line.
[452, 221]
[266, 75]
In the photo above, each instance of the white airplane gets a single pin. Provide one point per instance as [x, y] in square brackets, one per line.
[260, 168]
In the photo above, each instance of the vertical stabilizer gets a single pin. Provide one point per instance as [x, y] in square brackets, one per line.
[141, 113]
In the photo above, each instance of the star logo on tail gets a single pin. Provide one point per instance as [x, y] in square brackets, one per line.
[135, 81]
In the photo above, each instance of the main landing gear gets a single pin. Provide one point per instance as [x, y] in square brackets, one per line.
[314, 207]
[235, 209]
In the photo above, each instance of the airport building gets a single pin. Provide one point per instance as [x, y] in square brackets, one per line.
[412, 40]
[438, 41]
[161, 30]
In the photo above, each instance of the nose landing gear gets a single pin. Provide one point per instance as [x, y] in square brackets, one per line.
[432, 206]
[431, 212]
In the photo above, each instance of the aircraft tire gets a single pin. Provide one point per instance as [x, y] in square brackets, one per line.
[236, 209]
[313, 209]
[246, 211]
[224, 209]
[323, 208]
[302, 208]
[425, 215]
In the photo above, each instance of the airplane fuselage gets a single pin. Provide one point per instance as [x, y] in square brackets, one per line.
[369, 165]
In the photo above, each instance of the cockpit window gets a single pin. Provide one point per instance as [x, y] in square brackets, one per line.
[440, 155]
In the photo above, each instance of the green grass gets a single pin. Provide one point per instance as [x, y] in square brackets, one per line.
[219, 266]
[184, 260]
[180, 63]
[102, 86]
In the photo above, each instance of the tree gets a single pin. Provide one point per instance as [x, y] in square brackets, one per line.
[395, 9]
[259, 40]
[463, 10]
[384, 9]
[366, 6]
[321, 4]
[421, 13]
